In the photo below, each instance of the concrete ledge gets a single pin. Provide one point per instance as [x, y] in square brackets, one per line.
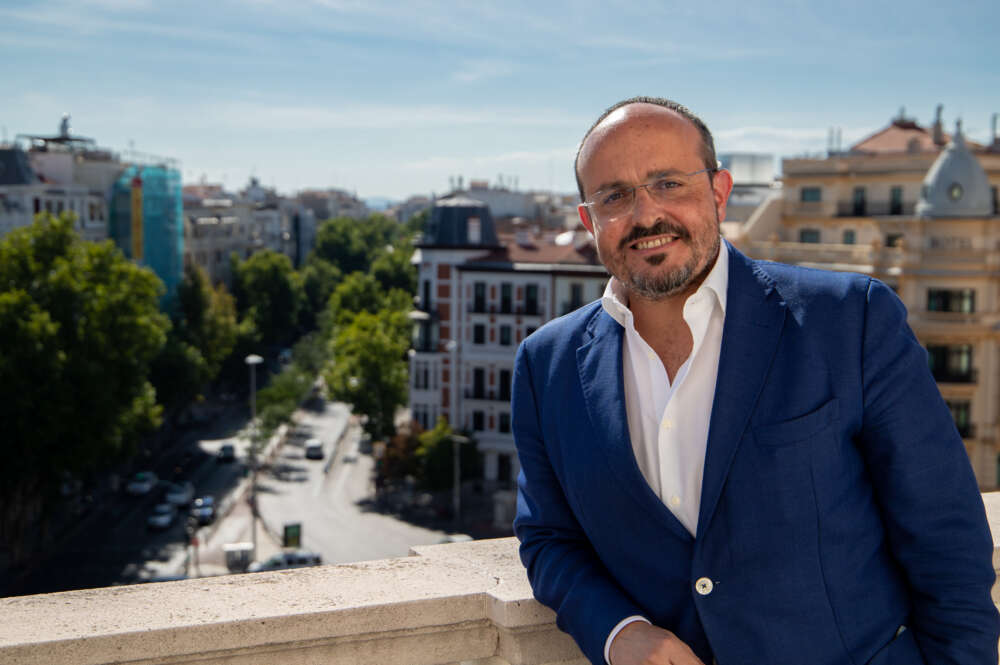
[463, 602]
[447, 603]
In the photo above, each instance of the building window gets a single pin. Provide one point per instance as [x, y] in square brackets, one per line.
[506, 298]
[961, 412]
[479, 334]
[478, 421]
[858, 203]
[848, 237]
[505, 384]
[479, 297]
[575, 295]
[475, 233]
[528, 330]
[504, 474]
[809, 235]
[38, 205]
[531, 299]
[951, 300]
[504, 424]
[896, 200]
[893, 239]
[810, 195]
[479, 383]
[426, 300]
[951, 363]
[504, 335]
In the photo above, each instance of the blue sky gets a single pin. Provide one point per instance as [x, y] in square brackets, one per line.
[392, 98]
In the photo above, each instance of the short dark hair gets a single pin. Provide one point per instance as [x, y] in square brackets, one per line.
[707, 143]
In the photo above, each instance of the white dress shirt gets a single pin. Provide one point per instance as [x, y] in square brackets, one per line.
[668, 422]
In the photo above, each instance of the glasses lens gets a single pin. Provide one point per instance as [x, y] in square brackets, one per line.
[613, 202]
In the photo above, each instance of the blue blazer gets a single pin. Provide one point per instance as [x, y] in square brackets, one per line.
[838, 503]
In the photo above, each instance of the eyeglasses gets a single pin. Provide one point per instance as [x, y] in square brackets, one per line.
[609, 205]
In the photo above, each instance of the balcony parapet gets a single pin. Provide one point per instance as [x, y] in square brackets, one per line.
[445, 604]
[458, 603]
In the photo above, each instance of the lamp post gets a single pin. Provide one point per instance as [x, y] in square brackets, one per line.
[252, 361]
[456, 471]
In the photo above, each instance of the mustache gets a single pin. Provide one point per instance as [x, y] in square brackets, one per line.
[661, 227]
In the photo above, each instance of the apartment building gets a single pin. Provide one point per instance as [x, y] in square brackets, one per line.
[918, 209]
[479, 295]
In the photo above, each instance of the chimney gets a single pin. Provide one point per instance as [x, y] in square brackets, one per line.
[938, 128]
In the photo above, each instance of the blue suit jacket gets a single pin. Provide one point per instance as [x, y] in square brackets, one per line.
[838, 502]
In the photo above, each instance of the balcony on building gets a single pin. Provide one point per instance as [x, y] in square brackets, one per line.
[445, 604]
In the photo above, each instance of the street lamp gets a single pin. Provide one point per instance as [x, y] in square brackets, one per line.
[456, 471]
[252, 361]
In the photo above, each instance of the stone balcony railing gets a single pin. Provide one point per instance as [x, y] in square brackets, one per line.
[463, 603]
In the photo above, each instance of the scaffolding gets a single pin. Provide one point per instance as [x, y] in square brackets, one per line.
[148, 201]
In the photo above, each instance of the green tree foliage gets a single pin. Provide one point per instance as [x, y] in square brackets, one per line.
[79, 327]
[319, 279]
[393, 270]
[203, 334]
[369, 370]
[352, 244]
[435, 458]
[269, 292]
[293, 385]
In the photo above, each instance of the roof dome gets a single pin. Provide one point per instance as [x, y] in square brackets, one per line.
[956, 185]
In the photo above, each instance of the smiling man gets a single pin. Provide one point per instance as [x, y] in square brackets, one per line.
[733, 461]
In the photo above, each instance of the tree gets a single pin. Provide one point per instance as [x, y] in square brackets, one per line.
[358, 292]
[393, 270]
[436, 457]
[319, 279]
[352, 244]
[79, 327]
[203, 333]
[369, 370]
[269, 292]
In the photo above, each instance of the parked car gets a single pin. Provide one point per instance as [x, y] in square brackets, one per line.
[227, 453]
[287, 560]
[314, 449]
[162, 517]
[142, 483]
[203, 509]
[179, 494]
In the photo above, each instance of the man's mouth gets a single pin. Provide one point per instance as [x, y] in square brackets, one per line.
[653, 243]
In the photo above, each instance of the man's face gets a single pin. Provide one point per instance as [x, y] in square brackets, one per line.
[658, 249]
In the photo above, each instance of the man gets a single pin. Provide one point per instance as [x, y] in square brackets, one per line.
[734, 461]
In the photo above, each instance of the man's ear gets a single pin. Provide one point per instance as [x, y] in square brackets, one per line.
[584, 213]
[722, 186]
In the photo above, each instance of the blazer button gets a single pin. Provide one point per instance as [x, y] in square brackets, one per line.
[703, 586]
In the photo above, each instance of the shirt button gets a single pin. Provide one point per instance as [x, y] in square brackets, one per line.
[703, 586]
[668, 423]
[676, 501]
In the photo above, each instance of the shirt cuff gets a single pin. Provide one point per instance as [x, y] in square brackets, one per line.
[617, 629]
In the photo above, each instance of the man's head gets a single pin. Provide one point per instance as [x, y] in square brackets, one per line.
[652, 196]
[708, 143]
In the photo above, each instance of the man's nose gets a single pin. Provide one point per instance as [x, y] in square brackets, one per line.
[644, 205]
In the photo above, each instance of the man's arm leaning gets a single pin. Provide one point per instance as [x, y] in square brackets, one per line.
[931, 506]
[564, 571]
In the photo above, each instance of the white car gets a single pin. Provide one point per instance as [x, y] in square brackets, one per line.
[162, 517]
[179, 494]
[287, 560]
[314, 449]
[142, 483]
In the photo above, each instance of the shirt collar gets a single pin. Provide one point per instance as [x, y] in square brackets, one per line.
[615, 298]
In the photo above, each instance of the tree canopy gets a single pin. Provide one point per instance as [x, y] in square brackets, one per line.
[79, 327]
[269, 292]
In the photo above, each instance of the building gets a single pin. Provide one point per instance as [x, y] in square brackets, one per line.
[479, 295]
[134, 201]
[218, 224]
[918, 209]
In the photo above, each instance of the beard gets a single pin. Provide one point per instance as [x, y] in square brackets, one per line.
[652, 284]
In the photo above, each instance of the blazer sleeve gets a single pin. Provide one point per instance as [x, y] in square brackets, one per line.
[563, 569]
[931, 506]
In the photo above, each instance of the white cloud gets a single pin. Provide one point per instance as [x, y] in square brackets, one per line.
[474, 71]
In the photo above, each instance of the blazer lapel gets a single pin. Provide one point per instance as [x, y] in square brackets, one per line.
[755, 315]
[599, 362]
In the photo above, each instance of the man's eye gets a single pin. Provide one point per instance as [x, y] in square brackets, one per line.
[664, 184]
[614, 196]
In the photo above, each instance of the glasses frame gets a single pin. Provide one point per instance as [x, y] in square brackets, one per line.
[644, 185]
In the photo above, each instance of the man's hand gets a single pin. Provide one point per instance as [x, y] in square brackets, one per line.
[639, 643]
